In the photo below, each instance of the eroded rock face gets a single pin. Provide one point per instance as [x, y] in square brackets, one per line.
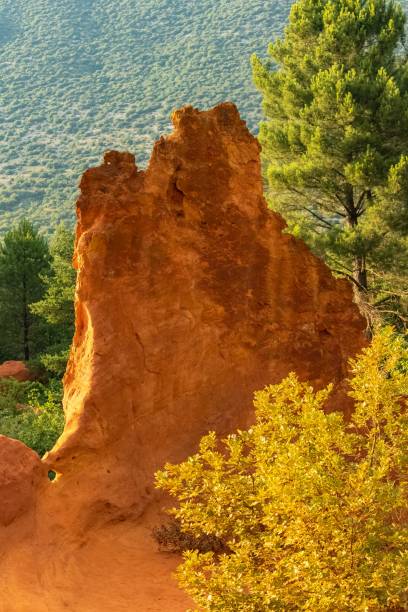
[15, 369]
[21, 471]
[189, 298]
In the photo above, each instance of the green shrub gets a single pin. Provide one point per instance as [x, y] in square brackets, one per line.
[32, 413]
[55, 363]
[12, 393]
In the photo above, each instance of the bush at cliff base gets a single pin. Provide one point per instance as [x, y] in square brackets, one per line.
[32, 413]
[313, 510]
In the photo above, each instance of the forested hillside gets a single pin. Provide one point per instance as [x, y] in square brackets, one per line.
[82, 76]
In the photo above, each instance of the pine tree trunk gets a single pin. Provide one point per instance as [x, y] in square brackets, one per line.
[26, 324]
[360, 285]
[360, 290]
[25, 340]
[359, 264]
[360, 274]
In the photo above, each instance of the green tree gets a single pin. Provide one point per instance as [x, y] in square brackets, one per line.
[57, 305]
[335, 138]
[311, 509]
[24, 260]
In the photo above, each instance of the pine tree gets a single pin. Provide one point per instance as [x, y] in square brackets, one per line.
[24, 260]
[57, 305]
[335, 138]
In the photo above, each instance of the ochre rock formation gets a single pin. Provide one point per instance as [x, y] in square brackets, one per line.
[15, 369]
[21, 471]
[190, 296]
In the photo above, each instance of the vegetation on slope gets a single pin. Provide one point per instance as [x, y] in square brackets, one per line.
[80, 76]
[32, 413]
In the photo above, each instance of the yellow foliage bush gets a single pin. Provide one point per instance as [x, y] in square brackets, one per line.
[312, 510]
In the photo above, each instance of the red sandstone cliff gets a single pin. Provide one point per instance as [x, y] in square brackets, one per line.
[189, 298]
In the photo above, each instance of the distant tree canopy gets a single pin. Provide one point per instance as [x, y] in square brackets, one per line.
[335, 138]
[88, 93]
[24, 261]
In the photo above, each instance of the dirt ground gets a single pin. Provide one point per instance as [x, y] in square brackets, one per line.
[118, 569]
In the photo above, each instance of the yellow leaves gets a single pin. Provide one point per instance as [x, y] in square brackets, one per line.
[380, 385]
[310, 508]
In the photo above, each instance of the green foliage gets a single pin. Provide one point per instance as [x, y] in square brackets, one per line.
[13, 393]
[37, 297]
[32, 413]
[36, 313]
[394, 196]
[84, 76]
[57, 306]
[55, 363]
[24, 260]
[335, 138]
[312, 509]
